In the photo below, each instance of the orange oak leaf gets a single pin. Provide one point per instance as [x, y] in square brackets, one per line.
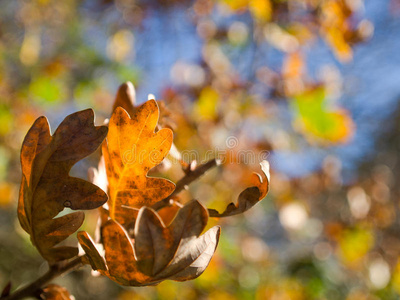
[47, 188]
[249, 197]
[131, 149]
[55, 292]
[157, 252]
[126, 98]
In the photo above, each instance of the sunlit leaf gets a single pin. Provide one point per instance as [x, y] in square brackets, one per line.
[132, 148]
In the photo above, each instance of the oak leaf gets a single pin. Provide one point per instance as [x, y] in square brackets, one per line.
[249, 197]
[157, 252]
[47, 188]
[131, 149]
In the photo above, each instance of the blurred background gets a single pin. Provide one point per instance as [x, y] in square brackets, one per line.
[311, 85]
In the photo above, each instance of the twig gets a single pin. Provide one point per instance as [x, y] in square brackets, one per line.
[191, 175]
[34, 289]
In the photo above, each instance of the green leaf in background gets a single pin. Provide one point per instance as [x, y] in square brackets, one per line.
[84, 92]
[6, 120]
[4, 160]
[317, 121]
[46, 90]
[127, 73]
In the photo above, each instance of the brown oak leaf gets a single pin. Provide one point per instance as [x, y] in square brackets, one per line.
[157, 252]
[47, 188]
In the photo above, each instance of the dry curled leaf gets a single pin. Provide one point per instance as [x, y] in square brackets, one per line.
[249, 197]
[47, 188]
[157, 252]
[55, 292]
[132, 148]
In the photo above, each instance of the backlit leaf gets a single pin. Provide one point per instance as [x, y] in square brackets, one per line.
[131, 150]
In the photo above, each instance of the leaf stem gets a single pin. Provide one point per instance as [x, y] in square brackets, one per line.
[34, 288]
[191, 175]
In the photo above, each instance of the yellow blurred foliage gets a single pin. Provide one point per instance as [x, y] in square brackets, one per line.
[359, 295]
[260, 9]
[353, 245]
[221, 295]
[211, 274]
[6, 194]
[120, 45]
[341, 48]
[236, 4]
[30, 49]
[335, 27]
[396, 278]
[6, 122]
[175, 290]
[206, 105]
[292, 72]
[131, 295]
[286, 289]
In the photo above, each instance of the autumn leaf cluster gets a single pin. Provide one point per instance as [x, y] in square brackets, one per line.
[146, 235]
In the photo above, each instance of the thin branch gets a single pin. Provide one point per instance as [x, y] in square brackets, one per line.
[34, 289]
[191, 175]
